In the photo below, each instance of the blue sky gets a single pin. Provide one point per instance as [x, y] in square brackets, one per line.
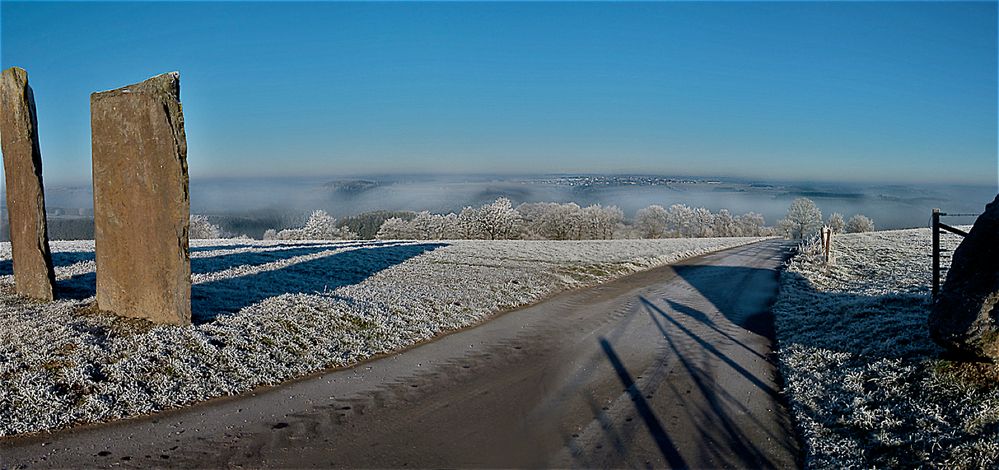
[898, 92]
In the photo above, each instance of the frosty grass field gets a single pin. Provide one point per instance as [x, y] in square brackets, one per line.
[866, 384]
[265, 312]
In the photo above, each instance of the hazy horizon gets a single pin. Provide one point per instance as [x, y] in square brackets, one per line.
[290, 199]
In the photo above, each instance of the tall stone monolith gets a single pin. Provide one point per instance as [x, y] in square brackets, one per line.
[141, 202]
[22, 164]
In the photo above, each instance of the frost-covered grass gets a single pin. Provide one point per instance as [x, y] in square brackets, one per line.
[269, 311]
[867, 386]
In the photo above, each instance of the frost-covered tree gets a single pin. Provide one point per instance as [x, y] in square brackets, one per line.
[367, 224]
[599, 222]
[783, 228]
[680, 220]
[651, 221]
[320, 226]
[751, 224]
[702, 223]
[859, 223]
[270, 234]
[804, 219]
[468, 225]
[395, 228]
[836, 222]
[448, 226]
[530, 214]
[724, 225]
[555, 221]
[497, 220]
[425, 226]
[201, 228]
[550, 220]
[562, 222]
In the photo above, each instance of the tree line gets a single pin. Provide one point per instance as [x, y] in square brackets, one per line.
[501, 220]
[804, 221]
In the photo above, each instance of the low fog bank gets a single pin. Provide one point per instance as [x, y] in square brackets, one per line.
[252, 205]
[893, 206]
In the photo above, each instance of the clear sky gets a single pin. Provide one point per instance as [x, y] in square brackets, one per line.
[820, 91]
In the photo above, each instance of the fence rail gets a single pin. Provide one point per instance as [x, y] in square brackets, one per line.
[941, 228]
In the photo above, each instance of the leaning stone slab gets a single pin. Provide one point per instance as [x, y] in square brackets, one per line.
[22, 164]
[141, 202]
[965, 317]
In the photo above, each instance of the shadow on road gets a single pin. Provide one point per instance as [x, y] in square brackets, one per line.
[718, 414]
[648, 415]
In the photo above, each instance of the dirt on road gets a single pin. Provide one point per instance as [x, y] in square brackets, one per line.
[671, 367]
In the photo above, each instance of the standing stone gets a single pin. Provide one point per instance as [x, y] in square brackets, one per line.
[141, 203]
[965, 317]
[22, 164]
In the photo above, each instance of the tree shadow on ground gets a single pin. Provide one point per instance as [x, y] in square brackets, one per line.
[59, 259]
[69, 258]
[291, 244]
[213, 264]
[79, 287]
[271, 253]
[227, 296]
[83, 286]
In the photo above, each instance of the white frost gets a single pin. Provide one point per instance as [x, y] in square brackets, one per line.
[864, 380]
[274, 310]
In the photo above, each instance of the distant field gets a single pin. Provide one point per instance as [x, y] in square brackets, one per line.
[269, 311]
[865, 381]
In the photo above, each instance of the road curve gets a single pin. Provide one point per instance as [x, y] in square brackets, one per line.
[671, 367]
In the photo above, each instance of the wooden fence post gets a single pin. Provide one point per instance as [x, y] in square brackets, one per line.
[826, 242]
[936, 253]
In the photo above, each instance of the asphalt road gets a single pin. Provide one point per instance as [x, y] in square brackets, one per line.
[671, 367]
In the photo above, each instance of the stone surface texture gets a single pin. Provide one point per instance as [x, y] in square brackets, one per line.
[141, 201]
[22, 161]
[965, 317]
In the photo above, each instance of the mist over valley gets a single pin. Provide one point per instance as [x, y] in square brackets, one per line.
[252, 205]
